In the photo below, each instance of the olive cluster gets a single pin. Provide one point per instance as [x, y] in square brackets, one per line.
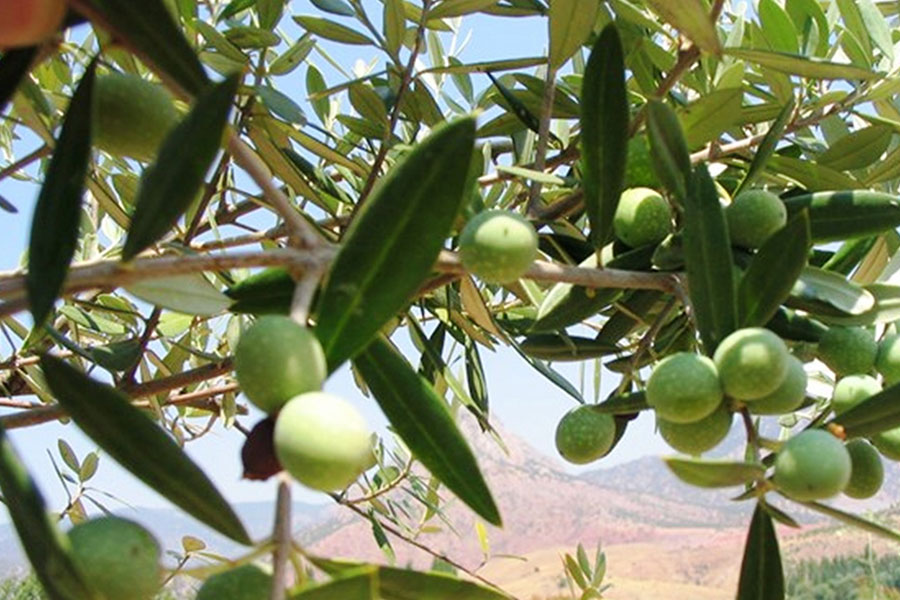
[320, 439]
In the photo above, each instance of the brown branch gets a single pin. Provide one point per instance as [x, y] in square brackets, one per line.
[449, 262]
[424, 548]
[45, 414]
[302, 233]
[540, 162]
[106, 274]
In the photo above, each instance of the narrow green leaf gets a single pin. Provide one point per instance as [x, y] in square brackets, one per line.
[356, 584]
[171, 183]
[707, 257]
[692, 18]
[149, 28]
[268, 292]
[220, 42]
[293, 57]
[54, 228]
[369, 105]
[875, 414]
[829, 288]
[766, 148]
[604, 132]
[762, 289]
[854, 520]
[235, 7]
[624, 321]
[762, 576]
[333, 31]
[561, 348]
[391, 246]
[245, 36]
[270, 12]
[555, 378]
[516, 106]
[668, 148]
[139, 445]
[877, 26]
[117, 356]
[487, 66]
[859, 149]
[804, 66]
[707, 473]
[847, 214]
[571, 22]
[850, 254]
[404, 584]
[810, 175]
[335, 7]
[48, 550]
[189, 294]
[394, 24]
[421, 418]
[623, 405]
[707, 117]
[459, 8]
[777, 27]
[14, 66]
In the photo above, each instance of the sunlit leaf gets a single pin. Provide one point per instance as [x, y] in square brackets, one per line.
[422, 419]
[714, 473]
[571, 21]
[707, 256]
[391, 246]
[604, 132]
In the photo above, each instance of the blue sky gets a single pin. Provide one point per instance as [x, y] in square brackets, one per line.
[524, 402]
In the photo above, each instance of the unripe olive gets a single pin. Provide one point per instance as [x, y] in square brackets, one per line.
[812, 465]
[752, 363]
[697, 437]
[788, 396]
[117, 557]
[276, 359]
[684, 388]
[322, 441]
[498, 246]
[753, 217]
[848, 350]
[246, 582]
[584, 435]
[867, 471]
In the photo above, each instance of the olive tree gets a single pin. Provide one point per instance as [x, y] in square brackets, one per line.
[698, 199]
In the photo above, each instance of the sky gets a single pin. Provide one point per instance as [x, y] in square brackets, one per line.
[523, 401]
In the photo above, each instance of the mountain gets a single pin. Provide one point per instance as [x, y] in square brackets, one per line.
[663, 539]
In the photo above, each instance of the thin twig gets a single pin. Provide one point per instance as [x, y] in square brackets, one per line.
[395, 111]
[282, 538]
[540, 161]
[25, 161]
[302, 232]
[449, 262]
[424, 548]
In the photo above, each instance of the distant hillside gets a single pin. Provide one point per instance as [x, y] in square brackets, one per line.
[664, 539]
